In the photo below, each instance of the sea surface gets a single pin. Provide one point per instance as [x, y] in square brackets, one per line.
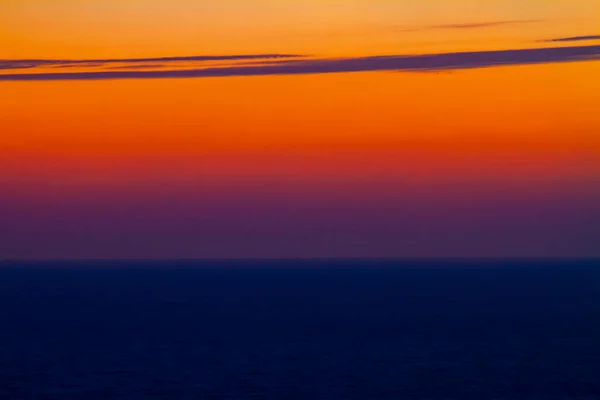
[344, 329]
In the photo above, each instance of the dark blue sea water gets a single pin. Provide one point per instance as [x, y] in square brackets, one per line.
[300, 330]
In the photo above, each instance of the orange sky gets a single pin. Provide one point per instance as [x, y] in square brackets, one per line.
[535, 109]
[527, 123]
[146, 28]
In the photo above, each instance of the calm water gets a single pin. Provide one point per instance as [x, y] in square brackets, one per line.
[300, 330]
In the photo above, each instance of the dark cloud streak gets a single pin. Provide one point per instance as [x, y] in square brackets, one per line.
[575, 38]
[471, 25]
[35, 63]
[427, 62]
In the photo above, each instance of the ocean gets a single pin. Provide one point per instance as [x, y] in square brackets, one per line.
[313, 329]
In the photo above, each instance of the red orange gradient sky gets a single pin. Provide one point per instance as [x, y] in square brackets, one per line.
[335, 134]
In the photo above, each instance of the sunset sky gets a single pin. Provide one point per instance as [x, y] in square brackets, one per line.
[299, 128]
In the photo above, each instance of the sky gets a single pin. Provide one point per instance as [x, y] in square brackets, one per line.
[299, 129]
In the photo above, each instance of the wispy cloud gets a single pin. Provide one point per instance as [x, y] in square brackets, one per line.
[138, 66]
[395, 29]
[33, 63]
[470, 25]
[424, 62]
[574, 39]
